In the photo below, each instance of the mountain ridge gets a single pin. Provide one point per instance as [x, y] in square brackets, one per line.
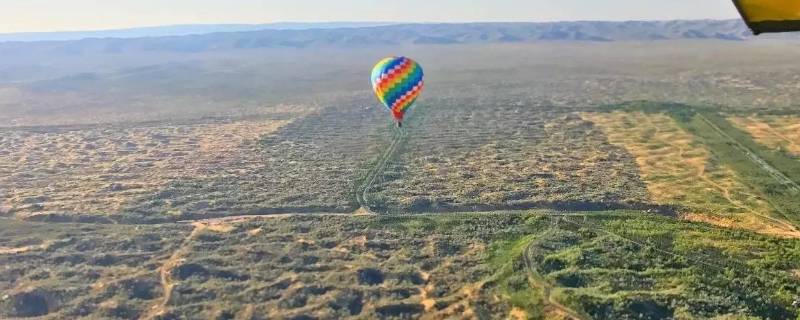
[391, 35]
[174, 30]
[732, 29]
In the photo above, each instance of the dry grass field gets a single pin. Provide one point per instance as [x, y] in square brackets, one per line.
[776, 132]
[74, 270]
[272, 268]
[101, 170]
[680, 171]
[304, 266]
[507, 157]
[312, 165]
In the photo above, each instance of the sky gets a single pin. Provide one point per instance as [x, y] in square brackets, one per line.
[72, 15]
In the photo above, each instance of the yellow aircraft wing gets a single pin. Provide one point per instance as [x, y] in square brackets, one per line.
[764, 16]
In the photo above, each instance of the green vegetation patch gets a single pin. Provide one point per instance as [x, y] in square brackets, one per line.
[648, 267]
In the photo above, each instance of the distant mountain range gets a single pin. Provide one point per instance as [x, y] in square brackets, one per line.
[177, 30]
[355, 35]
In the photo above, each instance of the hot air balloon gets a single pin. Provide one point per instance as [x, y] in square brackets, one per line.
[398, 82]
[764, 16]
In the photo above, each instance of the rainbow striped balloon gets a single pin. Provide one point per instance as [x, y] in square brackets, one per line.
[397, 82]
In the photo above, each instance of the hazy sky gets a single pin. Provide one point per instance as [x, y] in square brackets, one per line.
[59, 15]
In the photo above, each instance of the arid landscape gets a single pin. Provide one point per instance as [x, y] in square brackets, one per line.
[539, 178]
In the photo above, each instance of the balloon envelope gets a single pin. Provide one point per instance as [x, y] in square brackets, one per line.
[398, 82]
